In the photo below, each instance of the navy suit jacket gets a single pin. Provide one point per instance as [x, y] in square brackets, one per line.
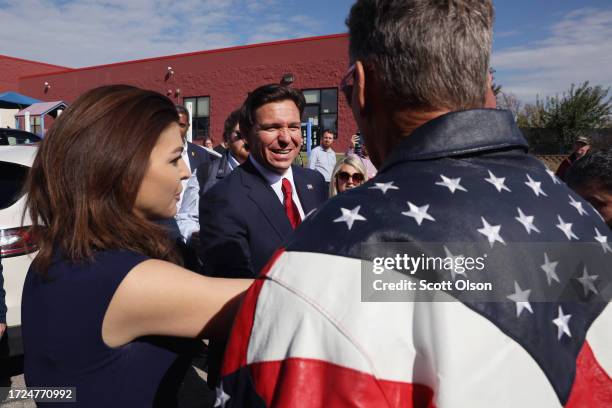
[242, 221]
[198, 155]
[210, 173]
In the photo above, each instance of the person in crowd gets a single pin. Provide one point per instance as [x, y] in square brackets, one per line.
[358, 149]
[591, 177]
[348, 173]
[246, 216]
[318, 328]
[208, 174]
[208, 143]
[581, 146]
[193, 155]
[323, 158]
[104, 307]
[221, 147]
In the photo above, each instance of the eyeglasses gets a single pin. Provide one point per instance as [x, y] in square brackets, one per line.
[346, 86]
[358, 178]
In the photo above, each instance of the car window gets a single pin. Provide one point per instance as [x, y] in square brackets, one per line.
[12, 178]
[12, 138]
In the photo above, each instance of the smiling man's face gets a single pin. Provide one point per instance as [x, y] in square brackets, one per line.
[276, 137]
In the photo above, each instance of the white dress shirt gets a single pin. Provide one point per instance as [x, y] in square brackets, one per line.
[185, 157]
[322, 161]
[275, 181]
[188, 215]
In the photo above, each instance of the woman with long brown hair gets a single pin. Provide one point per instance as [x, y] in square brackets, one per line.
[104, 308]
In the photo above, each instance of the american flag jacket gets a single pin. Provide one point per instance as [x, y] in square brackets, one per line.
[308, 336]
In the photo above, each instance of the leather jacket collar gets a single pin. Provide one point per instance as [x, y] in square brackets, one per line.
[457, 134]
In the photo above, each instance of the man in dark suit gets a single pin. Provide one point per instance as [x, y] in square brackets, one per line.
[204, 177]
[246, 216]
[235, 154]
[197, 154]
[193, 156]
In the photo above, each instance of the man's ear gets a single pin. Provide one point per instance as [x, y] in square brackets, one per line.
[359, 88]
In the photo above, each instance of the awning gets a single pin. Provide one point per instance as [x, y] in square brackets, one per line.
[14, 100]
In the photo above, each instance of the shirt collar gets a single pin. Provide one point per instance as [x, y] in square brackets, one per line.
[271, 176]
[459, 133]
[233, 162]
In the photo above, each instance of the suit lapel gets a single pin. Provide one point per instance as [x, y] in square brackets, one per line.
[193, 157]
[265, 199]
[305, 191]
[224, 168]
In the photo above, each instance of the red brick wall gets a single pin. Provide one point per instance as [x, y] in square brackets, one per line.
[12, 69]
[224, 75]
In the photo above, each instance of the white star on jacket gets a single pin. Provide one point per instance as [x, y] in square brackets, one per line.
[527, 221]
[222, 397]
[491, 232]
[566, 228]
[603, 240]
[453, 271]
[418, 213]
[497, 182]
[577, 205]
[350, 216]
[384, 187]
[587, 282]
[536, 186]
[521, 298]
[451, 184]
[562, 323]
[549, 268]
[554, 178]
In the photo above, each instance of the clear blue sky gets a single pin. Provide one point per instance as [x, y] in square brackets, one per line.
[540, 46]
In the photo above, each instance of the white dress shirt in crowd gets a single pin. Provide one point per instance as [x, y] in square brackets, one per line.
[188, 215]
[185, 157]
[275, 181]
[322, 161]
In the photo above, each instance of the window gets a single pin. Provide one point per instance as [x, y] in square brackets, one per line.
[322, 109]
[200, 122]
[35, 125]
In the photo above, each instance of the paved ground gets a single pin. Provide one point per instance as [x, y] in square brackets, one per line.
[15, 371]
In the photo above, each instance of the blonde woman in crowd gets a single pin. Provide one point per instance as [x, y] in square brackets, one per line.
[348, 173]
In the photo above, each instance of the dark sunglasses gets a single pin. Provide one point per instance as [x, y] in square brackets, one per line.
[358, 178]
[346, 86]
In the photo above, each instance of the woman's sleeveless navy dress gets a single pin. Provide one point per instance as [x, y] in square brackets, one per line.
[62, 316]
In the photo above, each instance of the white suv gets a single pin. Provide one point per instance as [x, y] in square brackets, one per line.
[17, 246]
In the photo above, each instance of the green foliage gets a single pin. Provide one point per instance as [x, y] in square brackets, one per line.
[578, 110]
[581, 108]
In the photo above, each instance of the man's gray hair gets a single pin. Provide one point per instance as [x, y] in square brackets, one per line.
[425, 53]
